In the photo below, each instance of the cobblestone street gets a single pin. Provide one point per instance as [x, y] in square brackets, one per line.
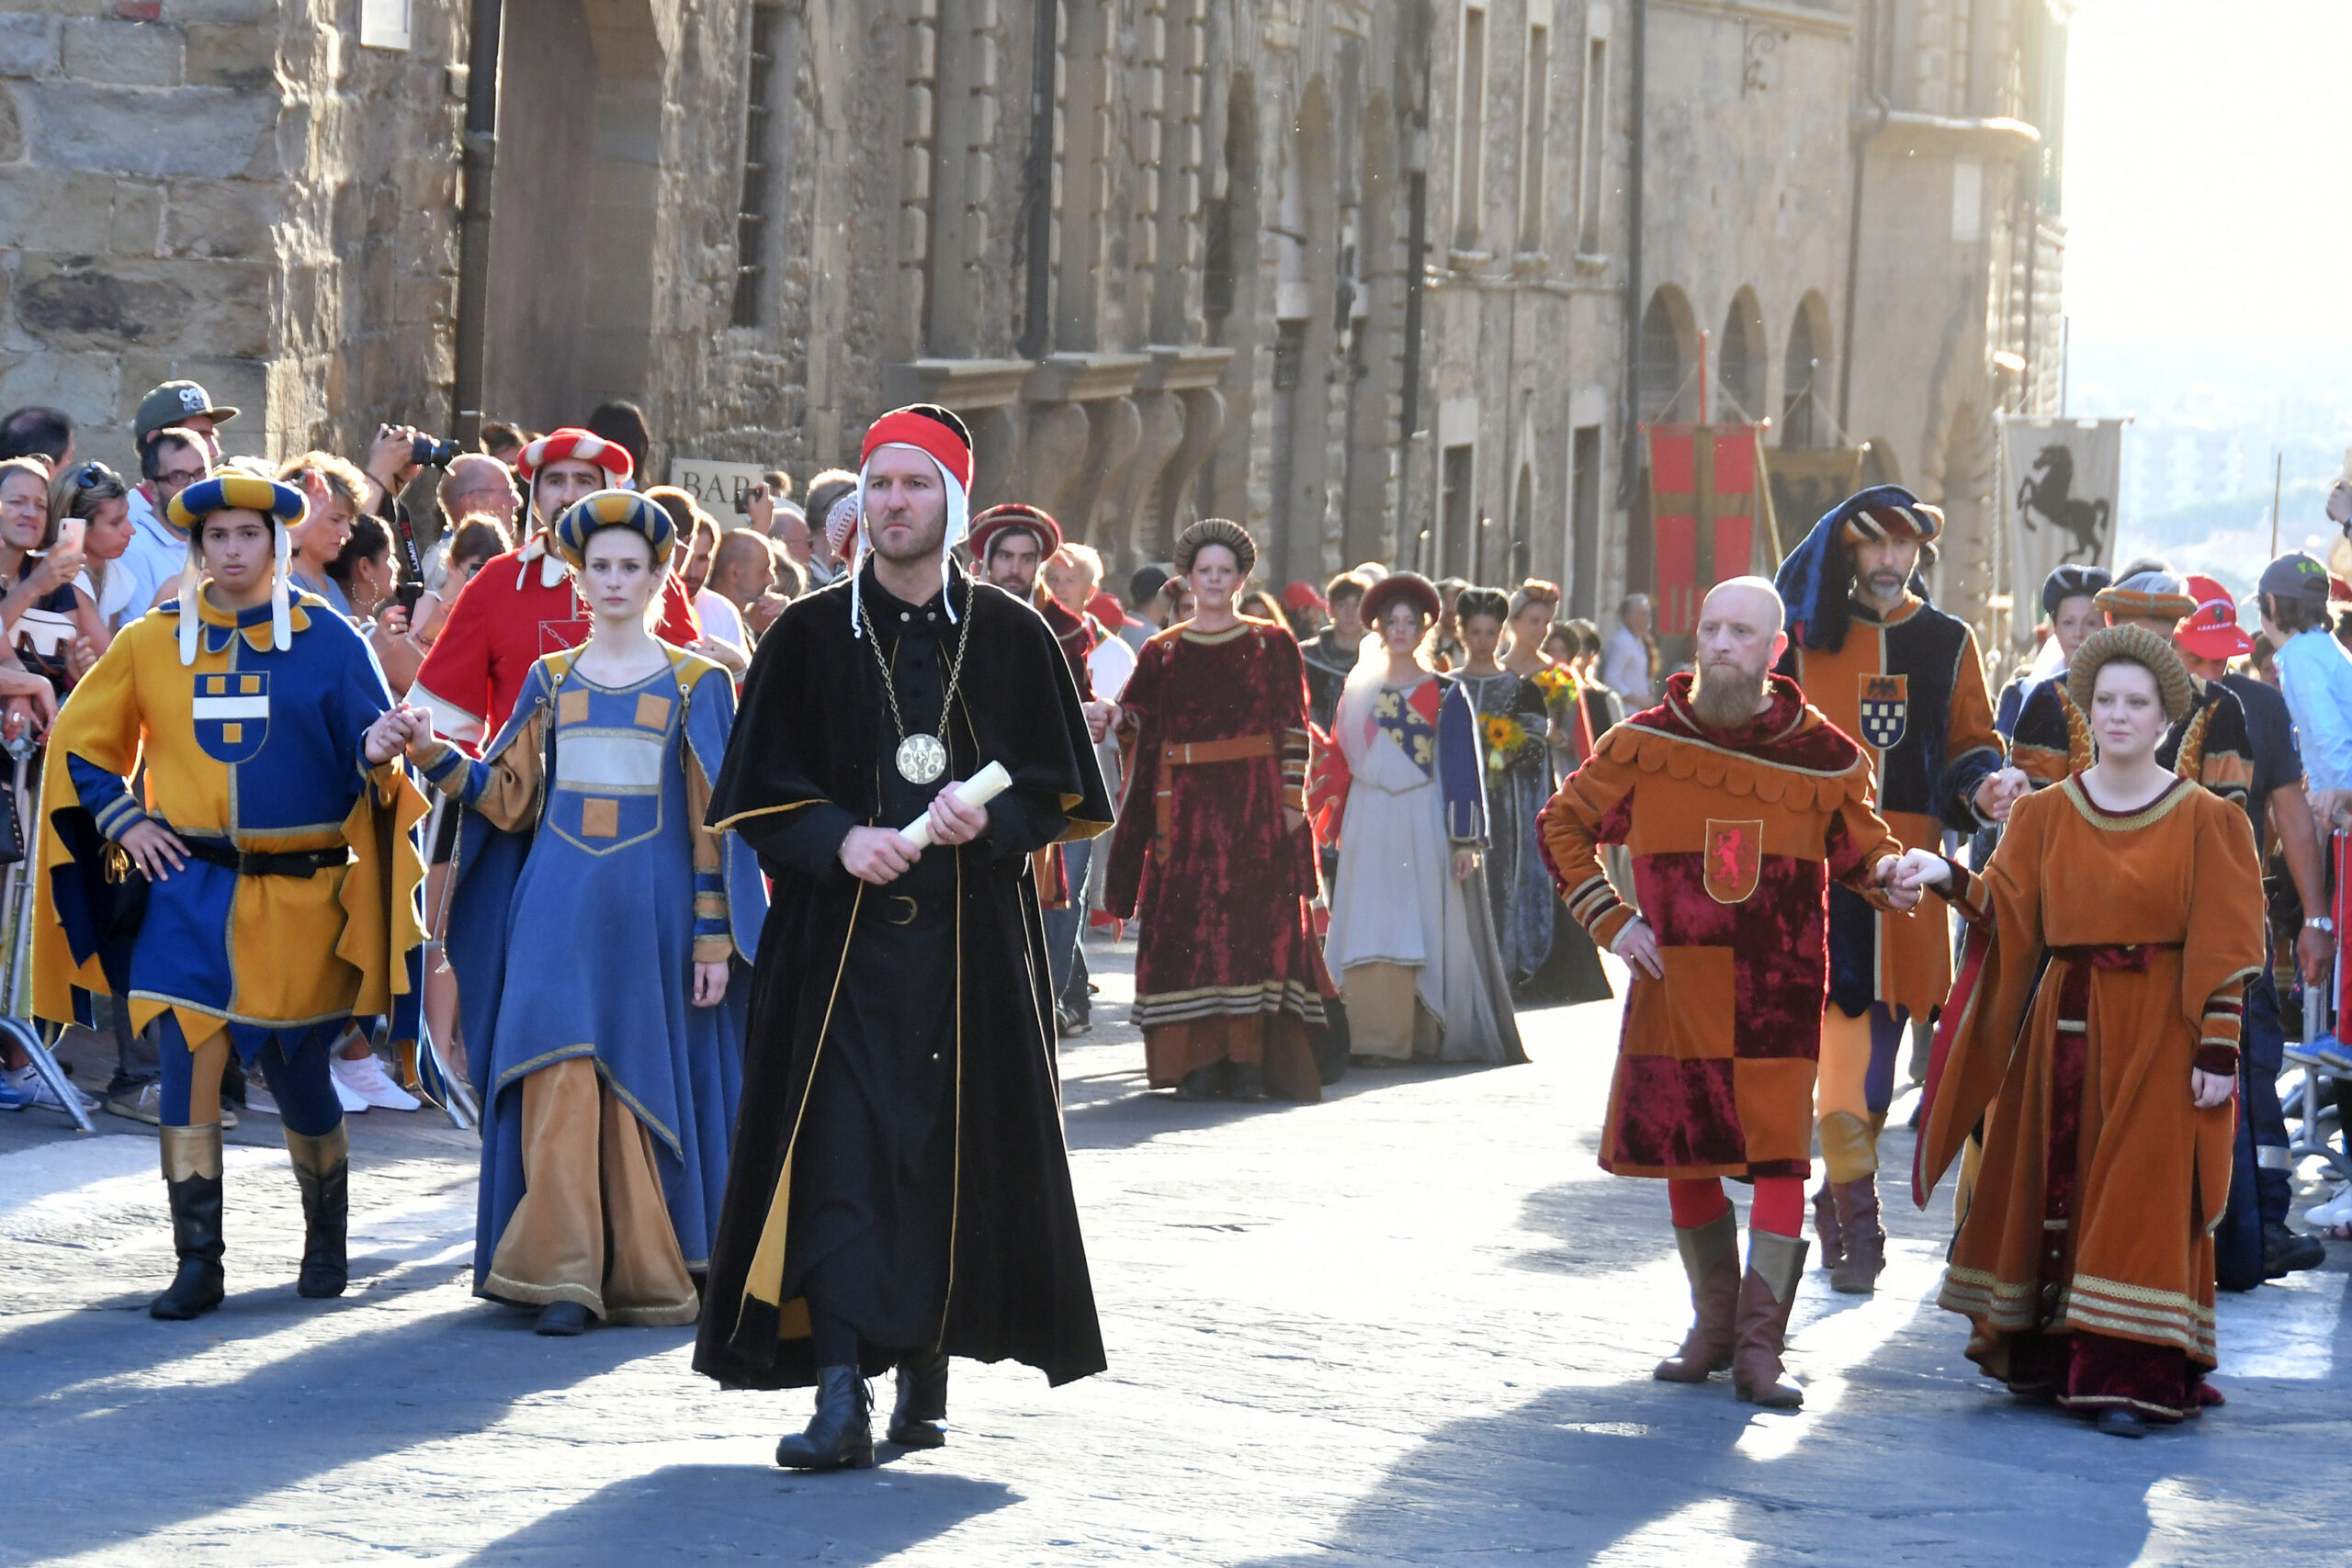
[1412, 1325]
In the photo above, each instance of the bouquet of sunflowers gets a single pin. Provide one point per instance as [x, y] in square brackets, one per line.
[1505, 735]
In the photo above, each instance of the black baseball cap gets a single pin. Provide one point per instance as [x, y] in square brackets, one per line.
[2296, 576]
[175, 402]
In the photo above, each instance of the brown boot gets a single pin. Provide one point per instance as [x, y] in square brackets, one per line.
[1857, 1272]
[1825, 1224]
[1767, 1291]
[1711, 1257]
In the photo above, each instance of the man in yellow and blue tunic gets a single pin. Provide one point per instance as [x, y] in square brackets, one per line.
[265, 888]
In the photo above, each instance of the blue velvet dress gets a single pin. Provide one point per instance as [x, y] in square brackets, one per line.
[578, 913]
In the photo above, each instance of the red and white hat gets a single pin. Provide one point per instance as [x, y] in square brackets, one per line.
[573, 444]
[939, 436]
[2212, 630]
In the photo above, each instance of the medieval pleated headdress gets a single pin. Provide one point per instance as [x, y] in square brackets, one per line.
[1816, 581]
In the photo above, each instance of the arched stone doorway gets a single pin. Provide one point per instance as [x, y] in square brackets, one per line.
[1803, 413]
[571, 294]
[1741, 362]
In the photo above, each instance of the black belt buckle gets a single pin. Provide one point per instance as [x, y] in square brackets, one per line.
[913, 909]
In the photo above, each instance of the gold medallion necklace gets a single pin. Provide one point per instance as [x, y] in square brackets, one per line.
[922, 757]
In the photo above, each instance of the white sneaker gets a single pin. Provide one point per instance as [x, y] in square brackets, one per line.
[27, 1080]
[261, 1100]
[365, 1077]
[2336, 1211]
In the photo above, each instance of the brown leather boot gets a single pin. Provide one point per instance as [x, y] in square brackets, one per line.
[1857, 1272]
[1825, 1223]
[1767, 1291]
[1711, 1257]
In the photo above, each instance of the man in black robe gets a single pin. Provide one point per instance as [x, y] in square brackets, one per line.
[899, 1190]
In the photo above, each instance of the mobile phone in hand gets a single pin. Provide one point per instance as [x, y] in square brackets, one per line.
[69, 533]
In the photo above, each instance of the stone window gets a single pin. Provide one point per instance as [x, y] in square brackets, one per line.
[1538, 99]
[1799, 368]
[1584, 521]
[1593, 142]
[763, 87]
[1456, 472]
[1470, 129]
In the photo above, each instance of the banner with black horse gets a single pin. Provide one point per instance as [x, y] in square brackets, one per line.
[2064, 476]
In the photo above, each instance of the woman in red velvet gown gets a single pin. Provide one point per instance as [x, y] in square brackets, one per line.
[1212, 851]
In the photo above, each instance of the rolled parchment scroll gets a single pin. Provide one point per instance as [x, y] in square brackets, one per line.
[975, 790]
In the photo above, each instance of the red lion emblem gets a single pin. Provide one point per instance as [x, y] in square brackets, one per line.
[1733, 858]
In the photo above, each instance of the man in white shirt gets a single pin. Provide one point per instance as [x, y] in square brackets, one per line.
[169, 461]
[1625, 661]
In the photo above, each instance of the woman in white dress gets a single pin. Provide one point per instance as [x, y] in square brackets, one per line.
[1412, 938]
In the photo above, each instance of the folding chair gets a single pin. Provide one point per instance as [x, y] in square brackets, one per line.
[15, 943]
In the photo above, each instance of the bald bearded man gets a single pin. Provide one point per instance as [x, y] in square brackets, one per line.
[1739, 804]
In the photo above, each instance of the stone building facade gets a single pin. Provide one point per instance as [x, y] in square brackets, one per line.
[1383, 278]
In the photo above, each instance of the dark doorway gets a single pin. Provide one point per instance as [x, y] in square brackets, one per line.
[1455, 524]
[1584, 522]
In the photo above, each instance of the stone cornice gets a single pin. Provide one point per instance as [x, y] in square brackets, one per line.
[1176, 369]
[956, 383]
[1083, 377]
[1827, 24]
[1906, 131]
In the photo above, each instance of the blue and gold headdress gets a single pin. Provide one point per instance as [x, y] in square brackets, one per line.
[225, 491]
[613, 508]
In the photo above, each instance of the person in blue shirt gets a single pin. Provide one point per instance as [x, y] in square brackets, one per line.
[2315, 676]
[2274, 800]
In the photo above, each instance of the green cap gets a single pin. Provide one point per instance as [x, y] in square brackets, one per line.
[175, 402]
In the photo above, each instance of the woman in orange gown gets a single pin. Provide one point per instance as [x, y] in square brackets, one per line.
[2096, 1040]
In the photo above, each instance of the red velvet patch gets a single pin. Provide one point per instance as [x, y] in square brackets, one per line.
[1677, 1113]
[1779, 962]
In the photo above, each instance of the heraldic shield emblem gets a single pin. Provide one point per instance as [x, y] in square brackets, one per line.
[232, 714]
[1733, 856]
[1886, 709]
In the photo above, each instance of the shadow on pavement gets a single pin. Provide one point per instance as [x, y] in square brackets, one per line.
[114, 1460]
[738, 1512]
[1107, 1109]
[1652, 1474]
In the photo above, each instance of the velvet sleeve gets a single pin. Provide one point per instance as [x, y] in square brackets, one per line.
[1856, 839]
[453, 684]
[1131, 839]
[1974, 745]
[1983, 1021]
[1462, 771]
[2223, 950]
[2042, 745]
[1593, 807]
[97, 736]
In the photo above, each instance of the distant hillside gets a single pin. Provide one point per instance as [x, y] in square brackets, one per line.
[2231, 539]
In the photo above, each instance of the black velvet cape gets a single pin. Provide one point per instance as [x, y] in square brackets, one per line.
[803, 768]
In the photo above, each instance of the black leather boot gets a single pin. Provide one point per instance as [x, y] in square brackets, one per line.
[841, 1435]
[192, 1177]
[919, 1420]
[322, 1169]
[1201, 1083]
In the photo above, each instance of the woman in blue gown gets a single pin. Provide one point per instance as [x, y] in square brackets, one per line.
[602, 938]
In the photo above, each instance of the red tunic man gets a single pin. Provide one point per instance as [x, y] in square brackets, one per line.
[1212, 844]
[522, 604]
[1741, 806]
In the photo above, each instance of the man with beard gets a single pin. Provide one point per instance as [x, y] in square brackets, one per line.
[1903, 678]
[1739, 804]
[900, 1191]
[1012, 541]
[523, 604]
